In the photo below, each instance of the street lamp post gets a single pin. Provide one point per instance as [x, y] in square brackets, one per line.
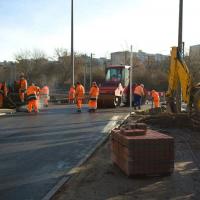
[180, 53]
[91, 69]
[180, 27]
[85, 72]
[72, 40]
[130, 77]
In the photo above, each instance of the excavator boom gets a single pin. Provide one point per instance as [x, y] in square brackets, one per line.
[179, 72]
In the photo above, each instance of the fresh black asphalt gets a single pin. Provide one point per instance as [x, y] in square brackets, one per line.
[37, 150]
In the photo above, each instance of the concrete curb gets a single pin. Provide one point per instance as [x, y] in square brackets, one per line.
[7, 112]
[68, 176]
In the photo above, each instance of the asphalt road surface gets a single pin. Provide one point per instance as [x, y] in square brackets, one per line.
[38, 150]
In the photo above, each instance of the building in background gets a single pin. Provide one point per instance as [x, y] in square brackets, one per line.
[194, 62]
[140, 57]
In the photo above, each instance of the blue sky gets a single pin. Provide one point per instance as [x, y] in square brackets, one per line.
[100, 26]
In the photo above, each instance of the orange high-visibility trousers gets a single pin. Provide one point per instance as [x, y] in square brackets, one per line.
[92, 104]
[1, 101]
[32, 104]
[79, 103]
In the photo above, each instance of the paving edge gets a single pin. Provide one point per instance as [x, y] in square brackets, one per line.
[68, 176]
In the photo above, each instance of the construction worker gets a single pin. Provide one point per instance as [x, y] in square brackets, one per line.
[155, 98]
[71, 95]
[3, 93]
[138, 94]
[93, 96]
[79, 95]
[22, 87]
[44, 95]
[118, 94]
[32, 97]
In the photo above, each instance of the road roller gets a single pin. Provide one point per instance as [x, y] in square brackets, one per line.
[114, 74]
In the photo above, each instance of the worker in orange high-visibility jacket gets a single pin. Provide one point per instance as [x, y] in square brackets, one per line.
[71, 94]
[44, 96]
[32, 96]
[79, 95]
[22, 87]
[93, 96]
[3, 93]
[137, 95]
[155, 98]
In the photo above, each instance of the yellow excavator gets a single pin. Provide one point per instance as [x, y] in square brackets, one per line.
[179, 73]
[180, 81]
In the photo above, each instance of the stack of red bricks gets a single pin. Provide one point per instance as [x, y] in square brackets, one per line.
[138, 151]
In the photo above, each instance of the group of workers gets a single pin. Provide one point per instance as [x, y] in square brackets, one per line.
[77, 94]
[33, 94]
[138, 93]
[30, 94]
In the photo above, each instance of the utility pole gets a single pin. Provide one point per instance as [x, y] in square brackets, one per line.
[130, 76]
[72, 40]
[85, 76]
[91, 69]
[180, 53]
[180, 28]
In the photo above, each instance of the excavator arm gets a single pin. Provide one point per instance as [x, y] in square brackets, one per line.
[178, 72]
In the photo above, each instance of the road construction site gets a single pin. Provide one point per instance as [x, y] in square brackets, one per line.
[38, 151]
[99, 178]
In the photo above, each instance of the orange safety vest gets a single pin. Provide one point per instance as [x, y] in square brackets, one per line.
[80, 91]
[32, 92]
[23, 85]
[45, 90]
[139, 90]
[94, 92]
[3, 89]
[155, 96]
[72, 92]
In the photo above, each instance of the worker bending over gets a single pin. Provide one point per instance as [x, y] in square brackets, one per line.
[79, 95]
[93, 96]
[138, 94]
[71, 94]
[44, 94]
[155, 98]
[22, 87]
[32, 96]
[3, 93]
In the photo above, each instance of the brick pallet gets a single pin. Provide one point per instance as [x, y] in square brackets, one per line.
[149, 154]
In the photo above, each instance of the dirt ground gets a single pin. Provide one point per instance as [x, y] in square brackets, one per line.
[99, 179]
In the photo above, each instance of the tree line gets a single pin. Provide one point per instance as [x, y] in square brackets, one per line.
[56, 72]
